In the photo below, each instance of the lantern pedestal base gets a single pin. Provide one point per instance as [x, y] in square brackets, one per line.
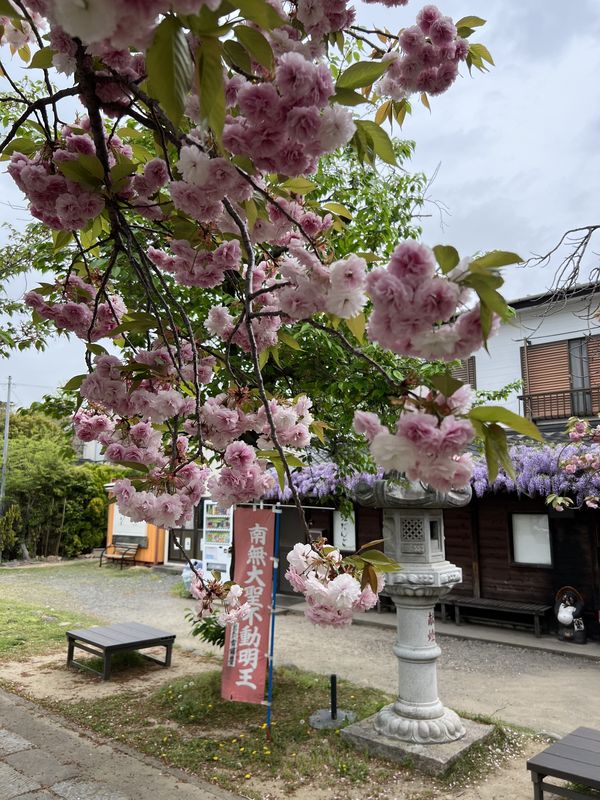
[432, 759]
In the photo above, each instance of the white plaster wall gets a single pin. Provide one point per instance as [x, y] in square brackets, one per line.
[565, 320]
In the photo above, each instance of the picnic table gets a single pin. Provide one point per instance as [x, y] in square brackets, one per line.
[104, 641]
[575, 758]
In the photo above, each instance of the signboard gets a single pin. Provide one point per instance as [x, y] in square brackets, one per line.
[344, 531]
[247, 641]
[124, 526]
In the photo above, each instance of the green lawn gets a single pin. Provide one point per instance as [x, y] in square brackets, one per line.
[187, 725]
[27, 630]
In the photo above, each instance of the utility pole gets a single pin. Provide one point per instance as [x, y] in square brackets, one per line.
[5, 446]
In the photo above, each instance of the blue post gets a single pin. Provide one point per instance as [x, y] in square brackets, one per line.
[277, 512]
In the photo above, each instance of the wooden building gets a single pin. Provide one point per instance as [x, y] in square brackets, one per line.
[515, 548]
[149, 539]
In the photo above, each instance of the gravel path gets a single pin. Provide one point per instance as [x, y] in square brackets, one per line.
[543, 691]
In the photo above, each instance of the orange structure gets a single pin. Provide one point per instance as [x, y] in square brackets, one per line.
[149, 538]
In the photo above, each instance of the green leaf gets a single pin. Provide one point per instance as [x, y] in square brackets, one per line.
[348, 97]
[338, 209]
[496, 452]
[61, 239]
[495, 258]
[446, 384]
[74, 383]
[288, 339]
[482, 52]
[446, 256]
[133, 465]
[363, 73]
[357, 326]
[502, 415]
[8, 10]
[380, 561]
[261, 12]
[170, 68]
[210, 80]
[382, 144]
[42, 59]
[470, 22]
[22, 144]
[256, 44]
[96, 349]
[86, 170]
[273, 455]
[425, 100]
[299, 185]
[237, 55]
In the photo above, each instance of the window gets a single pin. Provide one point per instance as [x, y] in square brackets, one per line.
[531, 539]
[466, 372]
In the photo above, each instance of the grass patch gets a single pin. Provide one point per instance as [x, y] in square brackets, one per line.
[186, 724]
[179, 590]
[27, 630]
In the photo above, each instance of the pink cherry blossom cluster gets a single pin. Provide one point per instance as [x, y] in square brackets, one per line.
[244, 477]
[338, 289]
[285, 125]
[110, 386]
[223, 420]
[60, 203]
[162, 508]
[424, 447]
[332, 588]
[113, 24]
[78, 311]
[431, 53]
[16, 36]
[416, 310]
[580, 430]
[320, 17]
[205, 182]
[279, 228]
[229, 595]
[192, 267]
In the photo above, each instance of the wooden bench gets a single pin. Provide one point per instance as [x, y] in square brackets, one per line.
[120, 552]
[536, 610]
[576, 759]
[124, 636]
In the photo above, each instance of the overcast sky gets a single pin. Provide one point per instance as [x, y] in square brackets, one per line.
[517, 148]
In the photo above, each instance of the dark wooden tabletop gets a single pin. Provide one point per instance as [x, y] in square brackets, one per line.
[577, 756]
[122, 633]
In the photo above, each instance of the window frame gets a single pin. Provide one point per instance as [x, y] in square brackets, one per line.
[511, 528]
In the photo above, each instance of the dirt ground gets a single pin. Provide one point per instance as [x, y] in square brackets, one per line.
[535, 689]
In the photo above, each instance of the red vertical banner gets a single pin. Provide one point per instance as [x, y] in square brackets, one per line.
[247, 641]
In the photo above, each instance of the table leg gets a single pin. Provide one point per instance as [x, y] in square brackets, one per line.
[538, 792]
[457, 614]
[70, 651]
[106, 668]
[168, 654]
[536, 626]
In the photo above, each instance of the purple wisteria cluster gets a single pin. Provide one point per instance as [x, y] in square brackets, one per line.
[539, 473]
[321, 481]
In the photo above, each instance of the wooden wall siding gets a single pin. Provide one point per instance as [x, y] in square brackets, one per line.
[500, 579]
[575, 556]
[459, 546]
[369, 523]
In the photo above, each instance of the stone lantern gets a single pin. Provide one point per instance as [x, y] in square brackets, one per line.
[413, 533]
